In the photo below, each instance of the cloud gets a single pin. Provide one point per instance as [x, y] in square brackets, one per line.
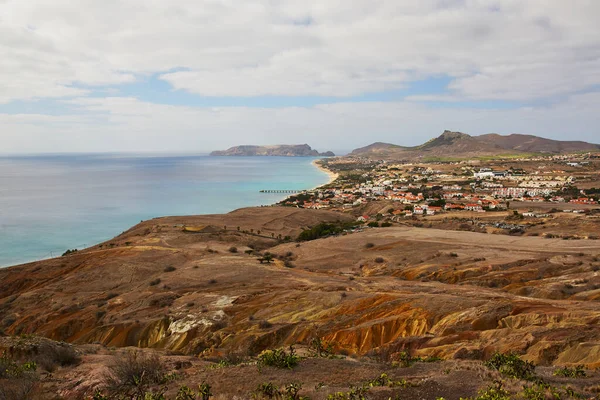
[511, 50]
[127, 124]
[540, 56]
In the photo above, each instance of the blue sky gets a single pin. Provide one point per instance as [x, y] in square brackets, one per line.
[195, 76]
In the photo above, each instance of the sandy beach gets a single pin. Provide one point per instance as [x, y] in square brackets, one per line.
[332, 175]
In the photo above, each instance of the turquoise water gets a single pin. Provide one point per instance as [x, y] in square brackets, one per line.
[52, 203]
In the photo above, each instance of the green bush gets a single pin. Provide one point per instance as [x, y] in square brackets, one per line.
[17, 381]
[325, 229]
[279, 358]
[492, 393]
[355, 393]
[575, 372]
[511, 365]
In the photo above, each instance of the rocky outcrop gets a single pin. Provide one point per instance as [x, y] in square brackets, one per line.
[300, 150]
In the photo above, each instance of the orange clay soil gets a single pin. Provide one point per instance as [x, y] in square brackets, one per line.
[177, 284]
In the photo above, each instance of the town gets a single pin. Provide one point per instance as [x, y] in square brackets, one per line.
[379, 192]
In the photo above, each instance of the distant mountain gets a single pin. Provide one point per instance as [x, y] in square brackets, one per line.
[284, 150]
[536, 144]
[448, 144]
[378, 148]
[460, 145]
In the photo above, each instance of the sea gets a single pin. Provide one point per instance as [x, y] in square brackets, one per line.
[52, 203]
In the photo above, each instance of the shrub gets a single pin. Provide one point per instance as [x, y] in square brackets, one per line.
[355, 393]
[133, 374]
[279, 358]
[373, 224]
[320, 348]
[325, 229]
[111, 296]
[10, 369]
[384, 380]
[575, 372]
[233, 249]
[493, 393]
[379, 260]
[203, 393]
[65, 355]
[169, 268]
[540, 391]
[386, 224]
[212, 281]
[69, 251]
[268, 390]
[155, 282]
[511, 365]
[369, 245]
[18, 381]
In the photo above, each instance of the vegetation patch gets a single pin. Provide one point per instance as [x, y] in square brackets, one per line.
[574, 372]
[279, 358]
[325, 229]
[512, 366]
[133, 375]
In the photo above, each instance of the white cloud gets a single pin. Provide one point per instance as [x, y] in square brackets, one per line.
[510, 49]
[535, 51]
[127, 124]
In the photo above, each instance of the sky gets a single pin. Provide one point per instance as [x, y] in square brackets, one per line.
[200, 75]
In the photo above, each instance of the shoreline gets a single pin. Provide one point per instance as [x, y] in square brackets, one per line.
[332, 175]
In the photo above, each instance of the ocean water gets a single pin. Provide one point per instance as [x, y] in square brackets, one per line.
[52, 203]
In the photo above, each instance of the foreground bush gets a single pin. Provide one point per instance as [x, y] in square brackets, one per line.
[575, 372]
[279, 358]
[132, 375]
[17, 381]
[511, 365]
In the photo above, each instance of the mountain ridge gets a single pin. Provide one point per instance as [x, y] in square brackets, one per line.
[282, 150]
[459, 144]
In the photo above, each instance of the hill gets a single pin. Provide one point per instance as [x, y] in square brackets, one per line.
[196, 285]
[283, 150]
[536, 144]
[460, 145]
[448, 144]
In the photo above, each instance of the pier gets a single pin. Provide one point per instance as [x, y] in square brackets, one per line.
[281, 191]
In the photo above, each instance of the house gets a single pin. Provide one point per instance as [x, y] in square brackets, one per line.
[432, 210]
[419, 210]
[450, 206]
[474, 207]
[363, 218]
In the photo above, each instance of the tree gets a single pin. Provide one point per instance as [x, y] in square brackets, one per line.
[268, 257]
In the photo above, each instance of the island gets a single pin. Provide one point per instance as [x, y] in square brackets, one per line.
[282, 150]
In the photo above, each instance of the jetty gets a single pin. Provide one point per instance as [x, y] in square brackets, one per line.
[281, 191]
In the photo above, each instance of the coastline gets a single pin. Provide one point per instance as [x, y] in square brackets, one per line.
[332, 175]
[301, 176]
